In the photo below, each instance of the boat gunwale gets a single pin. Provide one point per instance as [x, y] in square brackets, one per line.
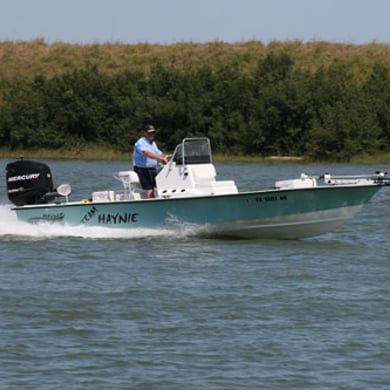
[195, 197]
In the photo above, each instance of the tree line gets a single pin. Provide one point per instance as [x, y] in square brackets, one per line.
[276, 108]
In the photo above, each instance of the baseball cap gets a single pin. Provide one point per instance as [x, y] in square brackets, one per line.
[149, 129]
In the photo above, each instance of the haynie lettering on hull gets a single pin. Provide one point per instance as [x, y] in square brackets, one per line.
[117, 219]
[187, 192]
[108, 218]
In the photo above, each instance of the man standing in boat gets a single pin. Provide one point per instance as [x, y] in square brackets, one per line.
[146, 154]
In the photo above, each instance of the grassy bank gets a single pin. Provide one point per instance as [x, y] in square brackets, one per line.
[96, 153]
[319, 99]
[27, 59]
[93, 153]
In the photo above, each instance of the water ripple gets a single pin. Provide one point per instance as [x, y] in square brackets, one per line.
[96, 309]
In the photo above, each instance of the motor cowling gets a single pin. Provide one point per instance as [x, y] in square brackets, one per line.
[28, 182]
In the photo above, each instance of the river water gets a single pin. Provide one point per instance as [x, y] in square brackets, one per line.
[94, 308]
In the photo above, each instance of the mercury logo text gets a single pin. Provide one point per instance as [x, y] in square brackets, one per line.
[31, 176]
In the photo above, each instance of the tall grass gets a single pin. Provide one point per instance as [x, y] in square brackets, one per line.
[28, 58]
[379, 158]
[88, 153]
[99, 153]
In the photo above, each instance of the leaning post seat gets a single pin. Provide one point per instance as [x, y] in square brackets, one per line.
[131, 184]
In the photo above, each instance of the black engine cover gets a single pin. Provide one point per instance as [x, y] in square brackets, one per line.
[28, 182]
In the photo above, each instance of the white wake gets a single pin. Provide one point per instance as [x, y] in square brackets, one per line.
[10, 226]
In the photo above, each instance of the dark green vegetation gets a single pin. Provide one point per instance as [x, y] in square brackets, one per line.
[261, 101]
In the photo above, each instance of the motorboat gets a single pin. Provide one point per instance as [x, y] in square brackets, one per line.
[188, 194]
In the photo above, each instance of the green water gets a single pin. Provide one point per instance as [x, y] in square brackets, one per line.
[84, 308]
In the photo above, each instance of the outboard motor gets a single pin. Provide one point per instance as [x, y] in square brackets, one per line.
[29, 182]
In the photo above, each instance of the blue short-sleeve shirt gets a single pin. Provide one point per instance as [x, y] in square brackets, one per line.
[139, 159]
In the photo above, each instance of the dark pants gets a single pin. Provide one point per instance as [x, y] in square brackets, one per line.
[147, 177]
